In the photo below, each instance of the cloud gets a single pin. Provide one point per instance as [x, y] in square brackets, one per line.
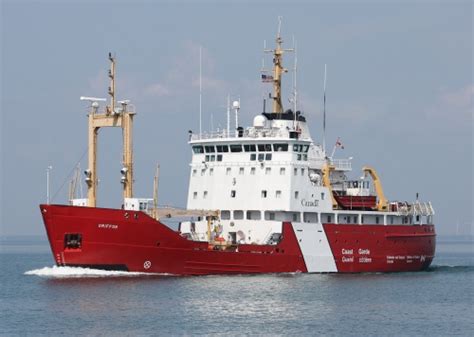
[157, 90]
[461, 98]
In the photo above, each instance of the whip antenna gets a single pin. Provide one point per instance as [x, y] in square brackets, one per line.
[324, 112]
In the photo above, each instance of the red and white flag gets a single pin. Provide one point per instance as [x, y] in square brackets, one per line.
[339, 143]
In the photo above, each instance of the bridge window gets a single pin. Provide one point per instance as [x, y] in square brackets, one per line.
[236, 148]
[280, 147]
[253, 156]
[222, 148]
[198, 149]
[219, 157]
[210, 149]
[261, 156]
[295, 147]
[213, 157]
[250, 148]
[268, 156]
[264, 147]
[305, 148]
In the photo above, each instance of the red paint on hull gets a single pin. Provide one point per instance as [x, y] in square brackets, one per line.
[131, 240]
[112, 237]
[379, 248]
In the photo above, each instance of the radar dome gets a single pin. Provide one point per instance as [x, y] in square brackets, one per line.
[259, 121]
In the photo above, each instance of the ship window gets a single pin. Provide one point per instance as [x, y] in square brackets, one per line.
[282, 171]
[219, 157]
[207, 157]
[264, 147]
[205, 194]
[198, 149]
[278, 194]
[305, 157]
[355, 219]
[264, 193]
[241, 170]
[295, 171]
[261, 156]
[211, 171]
[322, 196]
[296, 217]
[328, 218]
[203, 171]
[297, 194]
[194, 173]
[236, 148]
[225, 215]
[269, 216]
[305, 148]
[299, 156]
[310, 217]
[252, 171]
[238, 215]
[195, 195]
[268, 170]
[295, 147]
[232, 194]
[268, 156]
[302, 171]
[254, 215]
[228, 171]
[253, 156]
[280, 147]
[222, 148]
[213, 157]
[250, 148]
[377, 220]
[210, 149]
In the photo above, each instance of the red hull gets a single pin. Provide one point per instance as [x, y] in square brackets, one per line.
[131, 240]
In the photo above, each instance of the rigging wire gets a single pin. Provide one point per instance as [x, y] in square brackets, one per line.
[69, 175]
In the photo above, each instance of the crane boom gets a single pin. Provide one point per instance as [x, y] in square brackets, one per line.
[382, 203]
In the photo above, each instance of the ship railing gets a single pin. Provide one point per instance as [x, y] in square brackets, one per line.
[339, 164]
[417, 208]
[248, 133]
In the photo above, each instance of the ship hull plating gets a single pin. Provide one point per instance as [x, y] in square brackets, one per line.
[130, 240]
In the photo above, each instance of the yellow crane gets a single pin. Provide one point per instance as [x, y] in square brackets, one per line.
[382, 203]
[326, 171]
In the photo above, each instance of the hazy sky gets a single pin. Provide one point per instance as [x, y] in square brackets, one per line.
[400, 91]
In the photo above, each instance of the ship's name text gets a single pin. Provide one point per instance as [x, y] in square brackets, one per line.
[107, 226]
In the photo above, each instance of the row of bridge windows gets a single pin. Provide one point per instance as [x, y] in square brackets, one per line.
[277, 147]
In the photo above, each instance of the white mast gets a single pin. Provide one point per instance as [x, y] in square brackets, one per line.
[295, 70]
[48, 170]
[228, 115]
[200, 91]
[324, 113]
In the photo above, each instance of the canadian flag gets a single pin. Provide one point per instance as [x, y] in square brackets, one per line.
[339, 143]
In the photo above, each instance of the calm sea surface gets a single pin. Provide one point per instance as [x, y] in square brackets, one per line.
[39, 299]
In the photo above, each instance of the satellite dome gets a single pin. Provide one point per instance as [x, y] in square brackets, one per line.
[259, 121]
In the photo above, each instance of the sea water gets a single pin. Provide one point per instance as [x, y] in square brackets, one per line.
[38, 298]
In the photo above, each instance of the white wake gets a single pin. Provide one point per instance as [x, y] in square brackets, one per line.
[77, 272]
